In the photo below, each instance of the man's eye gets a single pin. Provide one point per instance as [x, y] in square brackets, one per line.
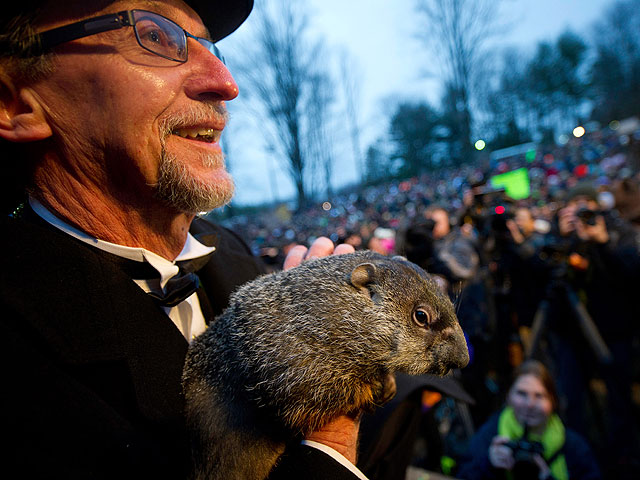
[151, 32]
[155, 36]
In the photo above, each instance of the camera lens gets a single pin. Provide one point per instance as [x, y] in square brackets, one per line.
[587, 216]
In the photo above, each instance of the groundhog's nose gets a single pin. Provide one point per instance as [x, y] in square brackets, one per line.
[463, 357]
[459, 350]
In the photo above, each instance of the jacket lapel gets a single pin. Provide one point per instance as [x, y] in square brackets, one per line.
[88, 311]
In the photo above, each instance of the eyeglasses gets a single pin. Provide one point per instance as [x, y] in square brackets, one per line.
[155, 33]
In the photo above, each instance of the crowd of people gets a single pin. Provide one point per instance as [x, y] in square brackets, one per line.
[551, 276]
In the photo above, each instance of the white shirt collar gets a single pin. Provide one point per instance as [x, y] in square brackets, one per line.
[166, 268]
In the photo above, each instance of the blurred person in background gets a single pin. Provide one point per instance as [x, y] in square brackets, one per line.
[527, 439]
[442, 249]
[593, 262]
[526, 273]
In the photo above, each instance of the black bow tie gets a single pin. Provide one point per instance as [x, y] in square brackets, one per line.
[178, 288]
[184, 284]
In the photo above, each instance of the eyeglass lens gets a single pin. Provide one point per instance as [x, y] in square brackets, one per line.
[163, 37]
[160, 35]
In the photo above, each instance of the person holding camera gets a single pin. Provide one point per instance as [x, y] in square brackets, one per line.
[527, 439]
[527, 270]
[601, 258]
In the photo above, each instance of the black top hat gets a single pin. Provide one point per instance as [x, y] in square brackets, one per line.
[221, 17]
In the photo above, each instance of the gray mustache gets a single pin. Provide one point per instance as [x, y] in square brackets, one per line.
[202, 113]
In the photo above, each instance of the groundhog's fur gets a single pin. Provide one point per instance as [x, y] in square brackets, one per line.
[296, 349]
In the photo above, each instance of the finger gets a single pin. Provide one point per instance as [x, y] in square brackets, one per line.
[343, 248]
[500, 439]
[295, 257]
[321, 247]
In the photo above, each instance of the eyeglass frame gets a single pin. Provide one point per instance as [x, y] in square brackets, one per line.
[114, 21]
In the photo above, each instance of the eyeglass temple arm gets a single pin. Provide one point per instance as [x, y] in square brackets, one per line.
[100, 24]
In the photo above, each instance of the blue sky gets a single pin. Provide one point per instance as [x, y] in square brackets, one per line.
[389, 63]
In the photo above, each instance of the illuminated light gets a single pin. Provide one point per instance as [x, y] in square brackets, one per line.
[578, 132]
[614, 125]
[563, 139]
[326, 206]
[530, 155]
[581, 170]
[480, 145]
[500, 209]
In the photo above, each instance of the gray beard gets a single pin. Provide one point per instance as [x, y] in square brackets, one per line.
[178, 189]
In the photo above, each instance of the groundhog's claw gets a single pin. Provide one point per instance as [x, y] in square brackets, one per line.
[385, 390]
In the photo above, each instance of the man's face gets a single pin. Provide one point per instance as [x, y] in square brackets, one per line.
[525, 221]
[138, 128]
[582, 202]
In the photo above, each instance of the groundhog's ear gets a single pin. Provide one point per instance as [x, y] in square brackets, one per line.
[363, 275]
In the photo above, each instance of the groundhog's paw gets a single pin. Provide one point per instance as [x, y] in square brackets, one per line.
[384, 390]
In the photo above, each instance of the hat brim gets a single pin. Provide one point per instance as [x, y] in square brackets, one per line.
[221, 17]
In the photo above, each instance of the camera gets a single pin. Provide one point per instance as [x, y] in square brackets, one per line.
[587, 215]
[523, 453]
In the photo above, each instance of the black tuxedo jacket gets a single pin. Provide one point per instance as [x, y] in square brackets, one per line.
[308, 463]
[91, 366]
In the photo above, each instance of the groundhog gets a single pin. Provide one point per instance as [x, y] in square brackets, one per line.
[295, 349]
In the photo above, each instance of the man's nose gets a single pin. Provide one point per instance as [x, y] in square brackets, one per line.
[212, 79]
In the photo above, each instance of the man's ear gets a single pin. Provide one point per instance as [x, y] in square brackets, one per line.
[22, 118]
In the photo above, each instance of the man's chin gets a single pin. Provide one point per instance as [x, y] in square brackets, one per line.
[194, 190]
[217, 202]
[191, 197]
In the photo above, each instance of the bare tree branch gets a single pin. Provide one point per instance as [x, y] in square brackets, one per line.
[457, 31]
[285, 76]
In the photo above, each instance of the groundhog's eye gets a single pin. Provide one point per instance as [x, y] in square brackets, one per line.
[421, 317]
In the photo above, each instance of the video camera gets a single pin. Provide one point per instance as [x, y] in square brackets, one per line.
[501, 213]
[493, 208]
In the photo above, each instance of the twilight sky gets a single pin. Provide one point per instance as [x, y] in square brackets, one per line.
[389, 63]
